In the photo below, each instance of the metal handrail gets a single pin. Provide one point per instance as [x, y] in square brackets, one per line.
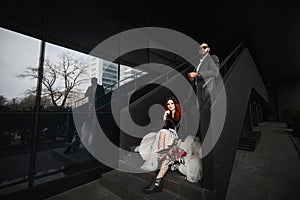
[233, 53]
[224, 64]
[222, 67]
[165, 74]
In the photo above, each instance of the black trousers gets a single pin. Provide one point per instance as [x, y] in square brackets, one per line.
[204, 101]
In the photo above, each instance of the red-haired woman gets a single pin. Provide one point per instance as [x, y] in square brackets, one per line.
[155, 142]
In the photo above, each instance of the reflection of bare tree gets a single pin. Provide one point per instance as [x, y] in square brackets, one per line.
[59, 78]
[3, 100]
[29, 101]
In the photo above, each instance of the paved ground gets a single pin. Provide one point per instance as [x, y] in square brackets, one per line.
[272, 172]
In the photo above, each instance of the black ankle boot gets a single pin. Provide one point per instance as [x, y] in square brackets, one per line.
[155, 186]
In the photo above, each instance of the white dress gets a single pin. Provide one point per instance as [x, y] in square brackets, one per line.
[148, 148]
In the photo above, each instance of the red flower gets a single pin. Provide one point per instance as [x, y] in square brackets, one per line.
[182, 152]
[173, 153]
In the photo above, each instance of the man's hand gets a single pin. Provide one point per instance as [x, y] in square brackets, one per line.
[192, 75]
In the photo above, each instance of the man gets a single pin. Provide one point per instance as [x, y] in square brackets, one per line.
[88, 128]
[94, 91]
[205, 74]
[204, 83]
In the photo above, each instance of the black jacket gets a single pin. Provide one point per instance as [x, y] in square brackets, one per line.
[171, 123]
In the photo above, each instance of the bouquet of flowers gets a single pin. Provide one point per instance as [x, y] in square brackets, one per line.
[174, 154]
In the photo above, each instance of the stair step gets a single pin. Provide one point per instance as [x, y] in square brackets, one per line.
[250, 141]
[171, 179]
[174, 181]
[130, 186]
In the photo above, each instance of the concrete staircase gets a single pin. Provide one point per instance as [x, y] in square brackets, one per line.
[130, 186]
[249, 140]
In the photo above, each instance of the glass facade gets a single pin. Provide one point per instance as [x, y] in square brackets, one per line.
[110, 75]
[66, 77]
[18, 54]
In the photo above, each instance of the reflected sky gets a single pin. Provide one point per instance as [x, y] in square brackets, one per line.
[17, 52]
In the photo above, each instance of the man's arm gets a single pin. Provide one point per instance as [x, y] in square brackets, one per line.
[208, 73]
[212, 71]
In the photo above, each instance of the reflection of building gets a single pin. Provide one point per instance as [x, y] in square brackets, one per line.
[105, 71]
[128, 74]
[110, 74]
[96, 68]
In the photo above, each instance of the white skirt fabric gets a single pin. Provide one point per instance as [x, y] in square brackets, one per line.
[148, 148]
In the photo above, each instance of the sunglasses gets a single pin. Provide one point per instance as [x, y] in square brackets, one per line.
[204, 47]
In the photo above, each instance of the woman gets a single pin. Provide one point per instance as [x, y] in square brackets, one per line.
[155, 149]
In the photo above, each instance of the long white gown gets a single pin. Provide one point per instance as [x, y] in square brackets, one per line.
[192, 168]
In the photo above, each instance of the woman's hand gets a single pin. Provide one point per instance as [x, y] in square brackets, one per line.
[167, 112]
[179, 142]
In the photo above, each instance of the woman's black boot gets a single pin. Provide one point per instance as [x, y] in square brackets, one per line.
[155, 186]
